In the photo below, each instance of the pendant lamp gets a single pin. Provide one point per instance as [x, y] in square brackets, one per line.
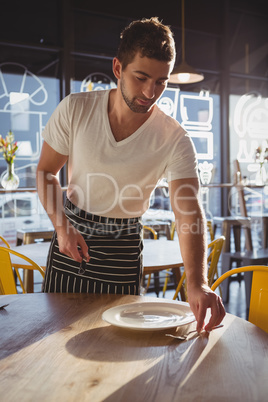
[183, 73]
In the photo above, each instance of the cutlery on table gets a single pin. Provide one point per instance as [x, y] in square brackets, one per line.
[184, 337]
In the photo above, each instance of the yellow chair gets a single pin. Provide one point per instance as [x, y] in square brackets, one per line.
[210, 230]
[215, 249]
[4, 241]
[172, 230]
[7, 280]
[149, 229]
[258, 308]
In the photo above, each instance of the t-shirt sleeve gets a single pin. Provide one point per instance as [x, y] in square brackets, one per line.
[57, 129]
[183, 160]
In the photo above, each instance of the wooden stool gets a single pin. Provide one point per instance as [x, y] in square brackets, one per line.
[231, 222]
[250, 256]
[236, 223]
[28, 236]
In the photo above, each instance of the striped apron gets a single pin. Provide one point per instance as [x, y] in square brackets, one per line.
[115, 249]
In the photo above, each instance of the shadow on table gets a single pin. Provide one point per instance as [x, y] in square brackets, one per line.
[38, 318]
[111, 344]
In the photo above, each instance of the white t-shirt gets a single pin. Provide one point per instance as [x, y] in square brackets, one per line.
[115, 179]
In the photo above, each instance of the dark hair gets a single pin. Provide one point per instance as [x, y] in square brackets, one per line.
[149, 37]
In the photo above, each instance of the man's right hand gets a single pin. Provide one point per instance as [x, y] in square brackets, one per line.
[72, 243]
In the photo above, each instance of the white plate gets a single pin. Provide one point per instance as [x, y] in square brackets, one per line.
[149, 316]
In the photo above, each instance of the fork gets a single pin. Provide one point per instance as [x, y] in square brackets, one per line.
[184, 337]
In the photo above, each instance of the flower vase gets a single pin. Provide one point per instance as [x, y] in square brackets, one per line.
[261, 176]
[9, 180]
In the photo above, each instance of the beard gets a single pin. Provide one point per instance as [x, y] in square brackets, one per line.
[131, 102]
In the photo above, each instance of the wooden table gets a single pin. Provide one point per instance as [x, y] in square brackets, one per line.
[161, 254]
[56, 347]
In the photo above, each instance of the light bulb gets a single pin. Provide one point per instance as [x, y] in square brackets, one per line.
[184, 77]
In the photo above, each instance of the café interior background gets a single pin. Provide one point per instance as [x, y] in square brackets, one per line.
[51, 48]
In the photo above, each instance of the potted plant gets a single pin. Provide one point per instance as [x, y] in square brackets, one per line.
[9, 180]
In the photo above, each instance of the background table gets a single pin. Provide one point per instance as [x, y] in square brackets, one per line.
[56, 347]
[160, 253]
[163, 254]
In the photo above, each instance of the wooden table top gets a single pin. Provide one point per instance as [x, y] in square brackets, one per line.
[161, 253]
[56, 347]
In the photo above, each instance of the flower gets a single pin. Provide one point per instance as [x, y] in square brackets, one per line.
[8, 147]
[261, 156]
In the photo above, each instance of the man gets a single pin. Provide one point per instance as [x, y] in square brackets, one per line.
[118, 144]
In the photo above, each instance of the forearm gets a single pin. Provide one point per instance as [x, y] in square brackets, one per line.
[191, 231]
[50, 195]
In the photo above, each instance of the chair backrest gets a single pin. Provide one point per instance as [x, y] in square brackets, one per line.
[7, 279]
[3, 240]
[210, 230]
[149, 229]
[215, 249]
[258, 308]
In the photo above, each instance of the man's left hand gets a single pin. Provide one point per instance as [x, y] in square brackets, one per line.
[202, 298]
